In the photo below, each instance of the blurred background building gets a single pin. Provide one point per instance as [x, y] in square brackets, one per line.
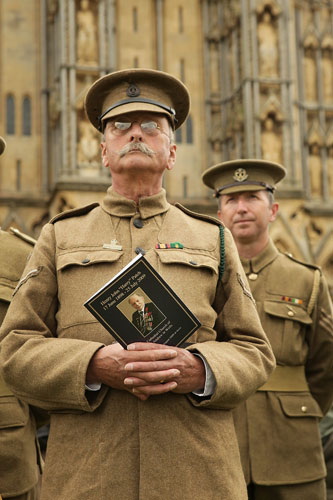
[260, 74]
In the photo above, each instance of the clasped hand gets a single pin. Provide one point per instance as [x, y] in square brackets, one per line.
[147, 369]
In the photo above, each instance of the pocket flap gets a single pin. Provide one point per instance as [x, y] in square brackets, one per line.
[299, 405]
[287, 311]
[191, 259]
[13, 413]
[86, 258]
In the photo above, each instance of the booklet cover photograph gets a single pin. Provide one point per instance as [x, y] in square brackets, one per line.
[137, 305]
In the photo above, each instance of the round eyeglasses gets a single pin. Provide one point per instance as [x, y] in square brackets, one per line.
[149, 127]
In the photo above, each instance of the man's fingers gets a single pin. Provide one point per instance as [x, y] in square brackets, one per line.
[145, 346]
[153, 390]
[139, 395]
[160, 377]
[149, 360]
[148, 366]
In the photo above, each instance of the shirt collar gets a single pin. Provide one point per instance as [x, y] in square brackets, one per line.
[116, 204]
[265, 257]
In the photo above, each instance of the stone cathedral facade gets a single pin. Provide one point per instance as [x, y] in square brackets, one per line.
[260, 74]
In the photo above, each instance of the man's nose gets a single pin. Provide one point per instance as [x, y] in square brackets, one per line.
[136, 132]
[241, 206]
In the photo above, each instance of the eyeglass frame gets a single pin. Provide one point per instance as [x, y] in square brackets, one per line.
[130, 123]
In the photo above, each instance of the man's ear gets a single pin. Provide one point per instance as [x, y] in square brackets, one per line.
[105, 159]
[172, 157]
[274, 210]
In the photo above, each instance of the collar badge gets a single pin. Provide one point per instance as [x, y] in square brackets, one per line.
[133, 90]
[240, 175]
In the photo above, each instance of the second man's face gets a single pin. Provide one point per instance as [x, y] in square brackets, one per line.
[247, 214]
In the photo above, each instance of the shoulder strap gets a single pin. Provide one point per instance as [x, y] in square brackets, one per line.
[314, 293]
[222, 253]
[74, 212]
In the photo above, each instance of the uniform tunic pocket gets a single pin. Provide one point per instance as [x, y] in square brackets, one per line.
[80, 274]
[286, 324]
[299, 405]
[192, 274]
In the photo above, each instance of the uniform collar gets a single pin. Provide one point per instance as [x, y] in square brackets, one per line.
[116, 204]
[265, 257]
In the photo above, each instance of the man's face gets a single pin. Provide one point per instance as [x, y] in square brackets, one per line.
[159, 153]
[247, 214]
[137, 301]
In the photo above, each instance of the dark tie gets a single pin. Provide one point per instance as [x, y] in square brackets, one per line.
[142, 320]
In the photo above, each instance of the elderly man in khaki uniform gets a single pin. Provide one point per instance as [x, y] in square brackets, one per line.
[152, 421]
[277, 427]
[19, 456]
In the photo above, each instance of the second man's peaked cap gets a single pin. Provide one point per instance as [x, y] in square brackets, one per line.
[137, 90]
[2, 145]
[243, 175]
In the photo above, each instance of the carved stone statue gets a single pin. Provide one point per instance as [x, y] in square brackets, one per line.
[214, 67]
[216, 151]
[327, 73]
[216, 125]
[54, 107]
[88, 145]
[86, 40]
[231, 65]
[271, 142]
[310, 74]
[52, 8]
[315, 169]
[330, 169]
[213, 17]
[268, 46]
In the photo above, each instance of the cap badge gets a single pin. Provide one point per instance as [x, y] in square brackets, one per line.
[133, 90]
[240, 175]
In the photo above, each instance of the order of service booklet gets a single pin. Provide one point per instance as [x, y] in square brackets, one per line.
[137, 305]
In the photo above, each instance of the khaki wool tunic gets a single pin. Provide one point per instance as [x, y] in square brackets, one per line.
[18, 452]
[278, 430]
[109, 445]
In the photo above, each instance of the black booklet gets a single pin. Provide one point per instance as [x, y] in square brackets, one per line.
[137, 305]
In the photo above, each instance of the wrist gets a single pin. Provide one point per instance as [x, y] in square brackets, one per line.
[200, 373]
[92, 376]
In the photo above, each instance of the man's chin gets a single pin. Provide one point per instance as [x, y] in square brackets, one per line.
[243, 234]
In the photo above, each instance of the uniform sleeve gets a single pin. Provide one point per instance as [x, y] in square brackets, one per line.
[241, 359]
[319, 363]
[37, 366]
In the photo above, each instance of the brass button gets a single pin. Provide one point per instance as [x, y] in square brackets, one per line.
[140, 250]
[291, 313]
[138, 223]
[253, 276]
[193, 263]
[85, 261]
[304, 409]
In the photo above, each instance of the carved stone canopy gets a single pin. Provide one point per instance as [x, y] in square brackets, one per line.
[311, 38]
[315, 135]
[270, 6]
[272, 109]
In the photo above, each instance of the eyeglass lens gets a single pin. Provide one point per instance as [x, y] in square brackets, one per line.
[150, 127]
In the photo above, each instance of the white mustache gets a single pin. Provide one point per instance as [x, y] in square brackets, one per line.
[136, 146]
